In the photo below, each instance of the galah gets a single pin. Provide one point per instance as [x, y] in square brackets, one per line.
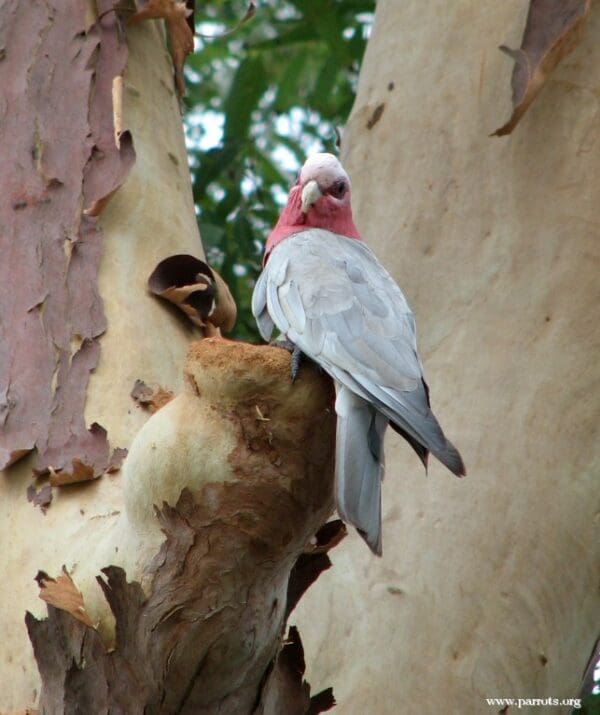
[329, 296]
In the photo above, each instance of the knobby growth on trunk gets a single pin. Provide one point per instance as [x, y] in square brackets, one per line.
[208, 634]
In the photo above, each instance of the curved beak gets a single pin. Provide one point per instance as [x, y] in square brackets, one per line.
[310, 193]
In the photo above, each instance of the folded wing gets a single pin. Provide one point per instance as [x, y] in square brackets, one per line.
[333, 299]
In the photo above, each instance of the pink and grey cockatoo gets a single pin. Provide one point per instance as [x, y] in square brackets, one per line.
[328, 295]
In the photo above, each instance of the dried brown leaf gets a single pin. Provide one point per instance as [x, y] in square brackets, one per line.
[62, 593]
[250, 12]
[552, 30]
[181, 37]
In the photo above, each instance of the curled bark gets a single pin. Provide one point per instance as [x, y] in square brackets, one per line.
[196, 289]
[552, 31]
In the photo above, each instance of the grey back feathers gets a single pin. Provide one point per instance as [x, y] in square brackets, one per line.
[331, 297]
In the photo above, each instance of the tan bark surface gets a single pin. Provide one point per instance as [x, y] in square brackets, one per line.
[488, 586]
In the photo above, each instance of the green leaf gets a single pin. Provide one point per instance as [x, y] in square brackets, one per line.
[249, 84]
[267, 169]
[212, 164]
[324, 87]
[212, 236]
[290, 85]
[298, 32]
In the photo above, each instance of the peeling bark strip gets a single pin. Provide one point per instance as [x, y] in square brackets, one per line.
[311, 564]
[194, 635]
[181, 36]
[286, 692]
[551, 32]
[148, 398]
[60, 159]
[41, 498]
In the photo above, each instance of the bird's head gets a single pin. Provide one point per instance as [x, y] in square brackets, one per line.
[320, 198]
[324, 186]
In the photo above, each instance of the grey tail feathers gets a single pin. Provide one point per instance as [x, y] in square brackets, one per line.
[452, 459]
[435, 441]
[359, 465]
[422, 452]
[419, 426]
[448, 455]
[411, 416]
[443, 448]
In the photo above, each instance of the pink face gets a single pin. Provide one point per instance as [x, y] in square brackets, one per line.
[319, 199]
[334, 199]
[332, 181]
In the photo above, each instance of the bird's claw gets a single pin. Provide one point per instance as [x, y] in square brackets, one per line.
[296, 353]
[296, 361]
[282, 342]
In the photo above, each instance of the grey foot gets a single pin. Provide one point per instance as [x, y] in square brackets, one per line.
[297, 354]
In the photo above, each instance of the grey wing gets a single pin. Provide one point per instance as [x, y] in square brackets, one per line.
[333, 299]
[259, 307]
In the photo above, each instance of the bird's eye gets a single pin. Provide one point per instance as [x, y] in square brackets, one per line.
[338, 189]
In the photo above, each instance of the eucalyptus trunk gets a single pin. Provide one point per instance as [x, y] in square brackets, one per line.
[169, 581]
[488, 586]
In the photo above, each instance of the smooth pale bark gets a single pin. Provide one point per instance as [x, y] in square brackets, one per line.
[150, 217]
[488, 586]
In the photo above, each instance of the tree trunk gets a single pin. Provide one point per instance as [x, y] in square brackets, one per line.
[136, 231]
[488, 586]
[190, 612]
